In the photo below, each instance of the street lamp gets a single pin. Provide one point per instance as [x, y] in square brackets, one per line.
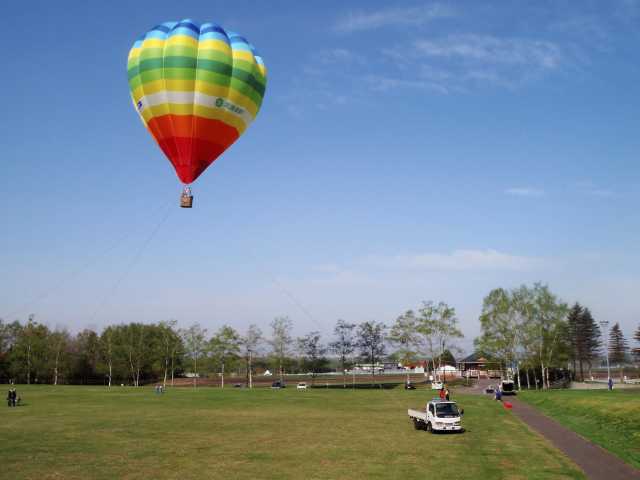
[604, 324]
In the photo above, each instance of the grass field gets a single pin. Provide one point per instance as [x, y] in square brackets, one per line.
[87, 432]
[610, 419]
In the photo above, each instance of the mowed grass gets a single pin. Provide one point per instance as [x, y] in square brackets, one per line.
[126, 433]
[609, 418]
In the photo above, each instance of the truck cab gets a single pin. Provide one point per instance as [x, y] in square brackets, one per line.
[438, 416]
[508, 387]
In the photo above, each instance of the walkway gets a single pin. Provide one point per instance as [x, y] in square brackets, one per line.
[597, 463]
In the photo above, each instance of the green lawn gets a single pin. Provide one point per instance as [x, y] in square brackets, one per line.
[610, 419]
[127, 433]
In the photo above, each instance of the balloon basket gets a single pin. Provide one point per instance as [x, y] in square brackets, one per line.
[186, 201]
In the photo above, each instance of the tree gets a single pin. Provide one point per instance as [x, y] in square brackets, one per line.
[544, 326]
[31, 350]
[589, 340]
[171, 344]
[312, 352]
[280, 341]
[636, 351]
[403, 334]
[343, 346]
[574, 321]
[224, 346]
[134, 347]
[249, 343]
[371, 336]
[501, 326]
[58, 351]
[107, 348]
[195, 343]
[438, 326]
[617, 348]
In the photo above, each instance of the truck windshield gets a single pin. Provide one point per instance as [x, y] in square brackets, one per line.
[447, 410]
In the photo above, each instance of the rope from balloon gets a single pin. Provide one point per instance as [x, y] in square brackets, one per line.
[186, 199]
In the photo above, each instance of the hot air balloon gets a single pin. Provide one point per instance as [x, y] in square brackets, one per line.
[196, 88]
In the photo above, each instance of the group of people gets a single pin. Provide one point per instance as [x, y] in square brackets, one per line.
[12, 398]
[444, 393]
[159, 389]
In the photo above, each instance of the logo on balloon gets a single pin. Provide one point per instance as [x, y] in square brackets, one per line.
[219, 102]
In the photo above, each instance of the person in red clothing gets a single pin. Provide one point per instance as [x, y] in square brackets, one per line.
[443, 394]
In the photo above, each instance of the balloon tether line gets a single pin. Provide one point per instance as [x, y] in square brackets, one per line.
[134, 260]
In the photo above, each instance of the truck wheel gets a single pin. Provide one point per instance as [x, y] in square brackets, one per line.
[416, 424]
[428, 427]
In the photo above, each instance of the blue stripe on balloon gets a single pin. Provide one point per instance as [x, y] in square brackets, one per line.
[214, 36]
[212, 27]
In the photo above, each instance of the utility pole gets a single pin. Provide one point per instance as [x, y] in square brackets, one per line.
[604, 324]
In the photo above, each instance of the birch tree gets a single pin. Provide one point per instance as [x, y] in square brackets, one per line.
[250, 342]
[224, 346]
[281, 341]
[312, 352]
[404, 335]
[438, 326]
[170, 344]
[195, 343]
[58, 344]
[371, 337]
[343, 345]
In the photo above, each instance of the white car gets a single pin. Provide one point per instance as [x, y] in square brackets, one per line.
[301, 386]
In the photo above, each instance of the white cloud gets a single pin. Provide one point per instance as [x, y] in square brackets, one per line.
[416, 16]
[491, 49]
[381, 83]
[339, 55]
[525, 192]
[588, 187]
[459, 260]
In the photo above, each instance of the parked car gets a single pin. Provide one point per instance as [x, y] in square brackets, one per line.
[302, 386]
[278, 385]
[436, 385]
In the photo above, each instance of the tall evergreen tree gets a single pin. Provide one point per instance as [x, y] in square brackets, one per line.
[617, 347]
[574, 320]
[590, 338]
[636, 351]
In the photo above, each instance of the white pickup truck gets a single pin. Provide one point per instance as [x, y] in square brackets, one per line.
[438, 416]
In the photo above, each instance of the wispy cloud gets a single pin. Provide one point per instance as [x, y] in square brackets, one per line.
[460, 260]
[525, 192]
[416, 16]
[463, 62]
[491, 49]
[588, 187]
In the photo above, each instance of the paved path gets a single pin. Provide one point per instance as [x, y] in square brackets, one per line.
[597, 463]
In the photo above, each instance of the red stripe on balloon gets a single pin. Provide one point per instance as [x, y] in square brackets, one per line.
[190, 142]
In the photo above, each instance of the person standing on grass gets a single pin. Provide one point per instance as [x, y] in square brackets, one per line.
[442, 394]
[447, 393]
[610, 383]
[9, 396]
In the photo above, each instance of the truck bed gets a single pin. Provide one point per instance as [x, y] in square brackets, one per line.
[419, 414]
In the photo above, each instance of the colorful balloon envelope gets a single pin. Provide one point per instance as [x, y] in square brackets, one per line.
[196, 88]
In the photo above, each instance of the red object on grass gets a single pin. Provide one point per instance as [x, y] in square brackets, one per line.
[507, 404]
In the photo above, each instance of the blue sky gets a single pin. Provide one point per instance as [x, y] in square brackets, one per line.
[405, 151]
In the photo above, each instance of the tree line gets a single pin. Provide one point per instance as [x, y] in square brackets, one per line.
[136, 353]
[528, 329]
[532, 331]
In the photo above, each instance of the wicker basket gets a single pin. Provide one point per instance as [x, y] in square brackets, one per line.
[186, 201]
